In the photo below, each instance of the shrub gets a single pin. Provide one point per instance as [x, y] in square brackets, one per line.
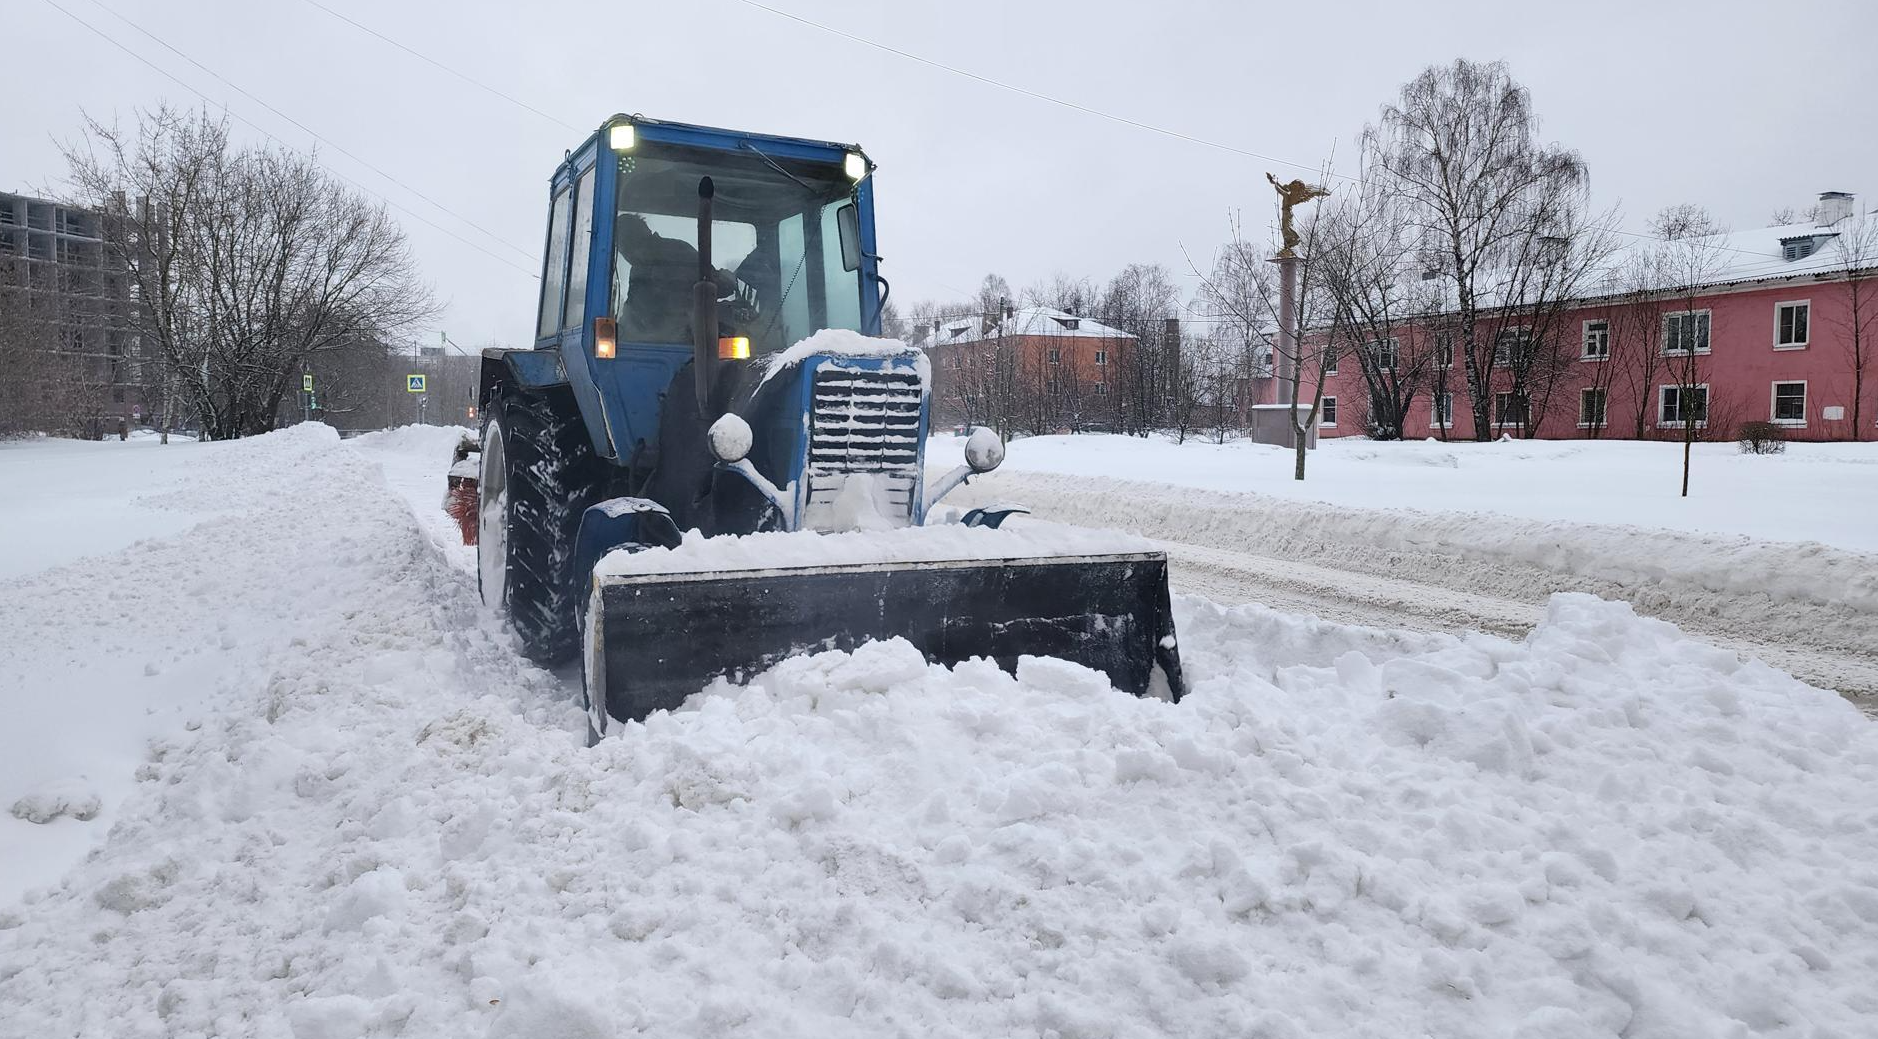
[1761, 438]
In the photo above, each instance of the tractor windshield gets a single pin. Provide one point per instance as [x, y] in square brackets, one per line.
[774, 243]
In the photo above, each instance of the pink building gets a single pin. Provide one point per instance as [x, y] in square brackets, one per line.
[1777, 330]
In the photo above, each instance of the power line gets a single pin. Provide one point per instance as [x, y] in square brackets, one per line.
[108, 38]
[1100, 114]
[517, 102]
[526, 254]
[1027, 92]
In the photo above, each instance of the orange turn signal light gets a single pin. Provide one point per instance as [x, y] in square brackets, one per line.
[733, 348]
[605, 337]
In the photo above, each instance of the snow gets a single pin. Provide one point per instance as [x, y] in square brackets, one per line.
[1826, 493]
[936, 543]
[840, 342]
[730, 437]
[376, 819]
[62, 500]
[1027, 321]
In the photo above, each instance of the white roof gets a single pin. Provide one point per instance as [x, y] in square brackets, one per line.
[1028, 321]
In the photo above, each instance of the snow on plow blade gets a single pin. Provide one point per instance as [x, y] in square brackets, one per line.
[659, 638]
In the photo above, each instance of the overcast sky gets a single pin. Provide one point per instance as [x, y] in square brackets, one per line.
[1740, 107]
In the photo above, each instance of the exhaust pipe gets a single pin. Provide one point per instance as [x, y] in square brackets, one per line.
[704, 304]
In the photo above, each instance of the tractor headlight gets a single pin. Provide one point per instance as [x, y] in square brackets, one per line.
[621, 137]
[855, 165]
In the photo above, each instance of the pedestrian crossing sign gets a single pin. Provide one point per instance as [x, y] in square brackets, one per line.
[414, 384]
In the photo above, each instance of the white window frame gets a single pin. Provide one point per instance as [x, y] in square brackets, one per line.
[1662, 423]
[1436, 347]
[1327, 413]
[1330, 361]
[1499, 413]
[1584, 340]
[1101, 389]
[1434, 410]
[1056, 355]
[1773, 403]
[1802, 344]
[1700, 350]
[1606, 417]
[1394, 346]
[1525, 330]
[1101, 357]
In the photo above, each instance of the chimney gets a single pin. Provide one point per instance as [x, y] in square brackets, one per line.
[1834, 206]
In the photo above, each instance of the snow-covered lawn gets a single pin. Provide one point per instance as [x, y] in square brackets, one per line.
[375, 819]
[1814, 492]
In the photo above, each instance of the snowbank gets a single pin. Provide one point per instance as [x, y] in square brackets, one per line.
[384, 823]
[1814, 492]
[1808, 594]
[940, 542]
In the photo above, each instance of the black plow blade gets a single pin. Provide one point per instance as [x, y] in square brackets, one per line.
[655, 639]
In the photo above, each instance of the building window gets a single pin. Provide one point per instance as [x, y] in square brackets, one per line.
[1101, 389]
[1386, 353]
[1790, 321]
[1512, 346]
[1597, 341]
[1509, 409]
[1330, 360]
[1443, 413]
[1328, 413]
[1056, 356]
[1790, 403]
[1676, 405]
[8, 214]
[1444, 349]
[1591, 409]
[1101, 357]
[1686, 332]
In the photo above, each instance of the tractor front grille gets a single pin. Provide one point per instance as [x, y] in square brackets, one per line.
[863, 423]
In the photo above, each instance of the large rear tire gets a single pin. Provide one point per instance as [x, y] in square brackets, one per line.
[539, 474]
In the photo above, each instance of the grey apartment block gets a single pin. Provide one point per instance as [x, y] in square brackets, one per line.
[56, 267]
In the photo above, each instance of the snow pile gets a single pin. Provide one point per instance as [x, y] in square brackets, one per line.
[938, 543]
[840, 342]
[437, 441]
[384, 823]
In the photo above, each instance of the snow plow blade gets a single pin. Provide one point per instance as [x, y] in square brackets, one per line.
[656, 639]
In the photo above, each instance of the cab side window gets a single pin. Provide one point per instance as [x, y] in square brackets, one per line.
[554, 276]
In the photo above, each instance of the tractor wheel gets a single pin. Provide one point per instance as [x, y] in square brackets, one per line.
[539, 473]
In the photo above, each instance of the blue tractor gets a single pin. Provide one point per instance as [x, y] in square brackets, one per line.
[706, 360]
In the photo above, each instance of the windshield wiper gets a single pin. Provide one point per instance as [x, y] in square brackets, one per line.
[773, 164]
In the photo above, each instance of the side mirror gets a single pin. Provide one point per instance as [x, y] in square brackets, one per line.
[983, 450]
[848, 226]
[729, 438]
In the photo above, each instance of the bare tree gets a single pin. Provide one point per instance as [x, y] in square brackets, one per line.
[1460, 148]
[1857, 244]
[249, 261]
[1367, 264]
[1138, 301]
[1683, 220]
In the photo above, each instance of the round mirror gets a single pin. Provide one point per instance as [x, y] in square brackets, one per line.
[983, 450]
[730, 438]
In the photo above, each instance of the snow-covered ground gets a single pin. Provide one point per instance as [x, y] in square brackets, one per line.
[367, 816]
[1814, 492]
[1501, 537]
